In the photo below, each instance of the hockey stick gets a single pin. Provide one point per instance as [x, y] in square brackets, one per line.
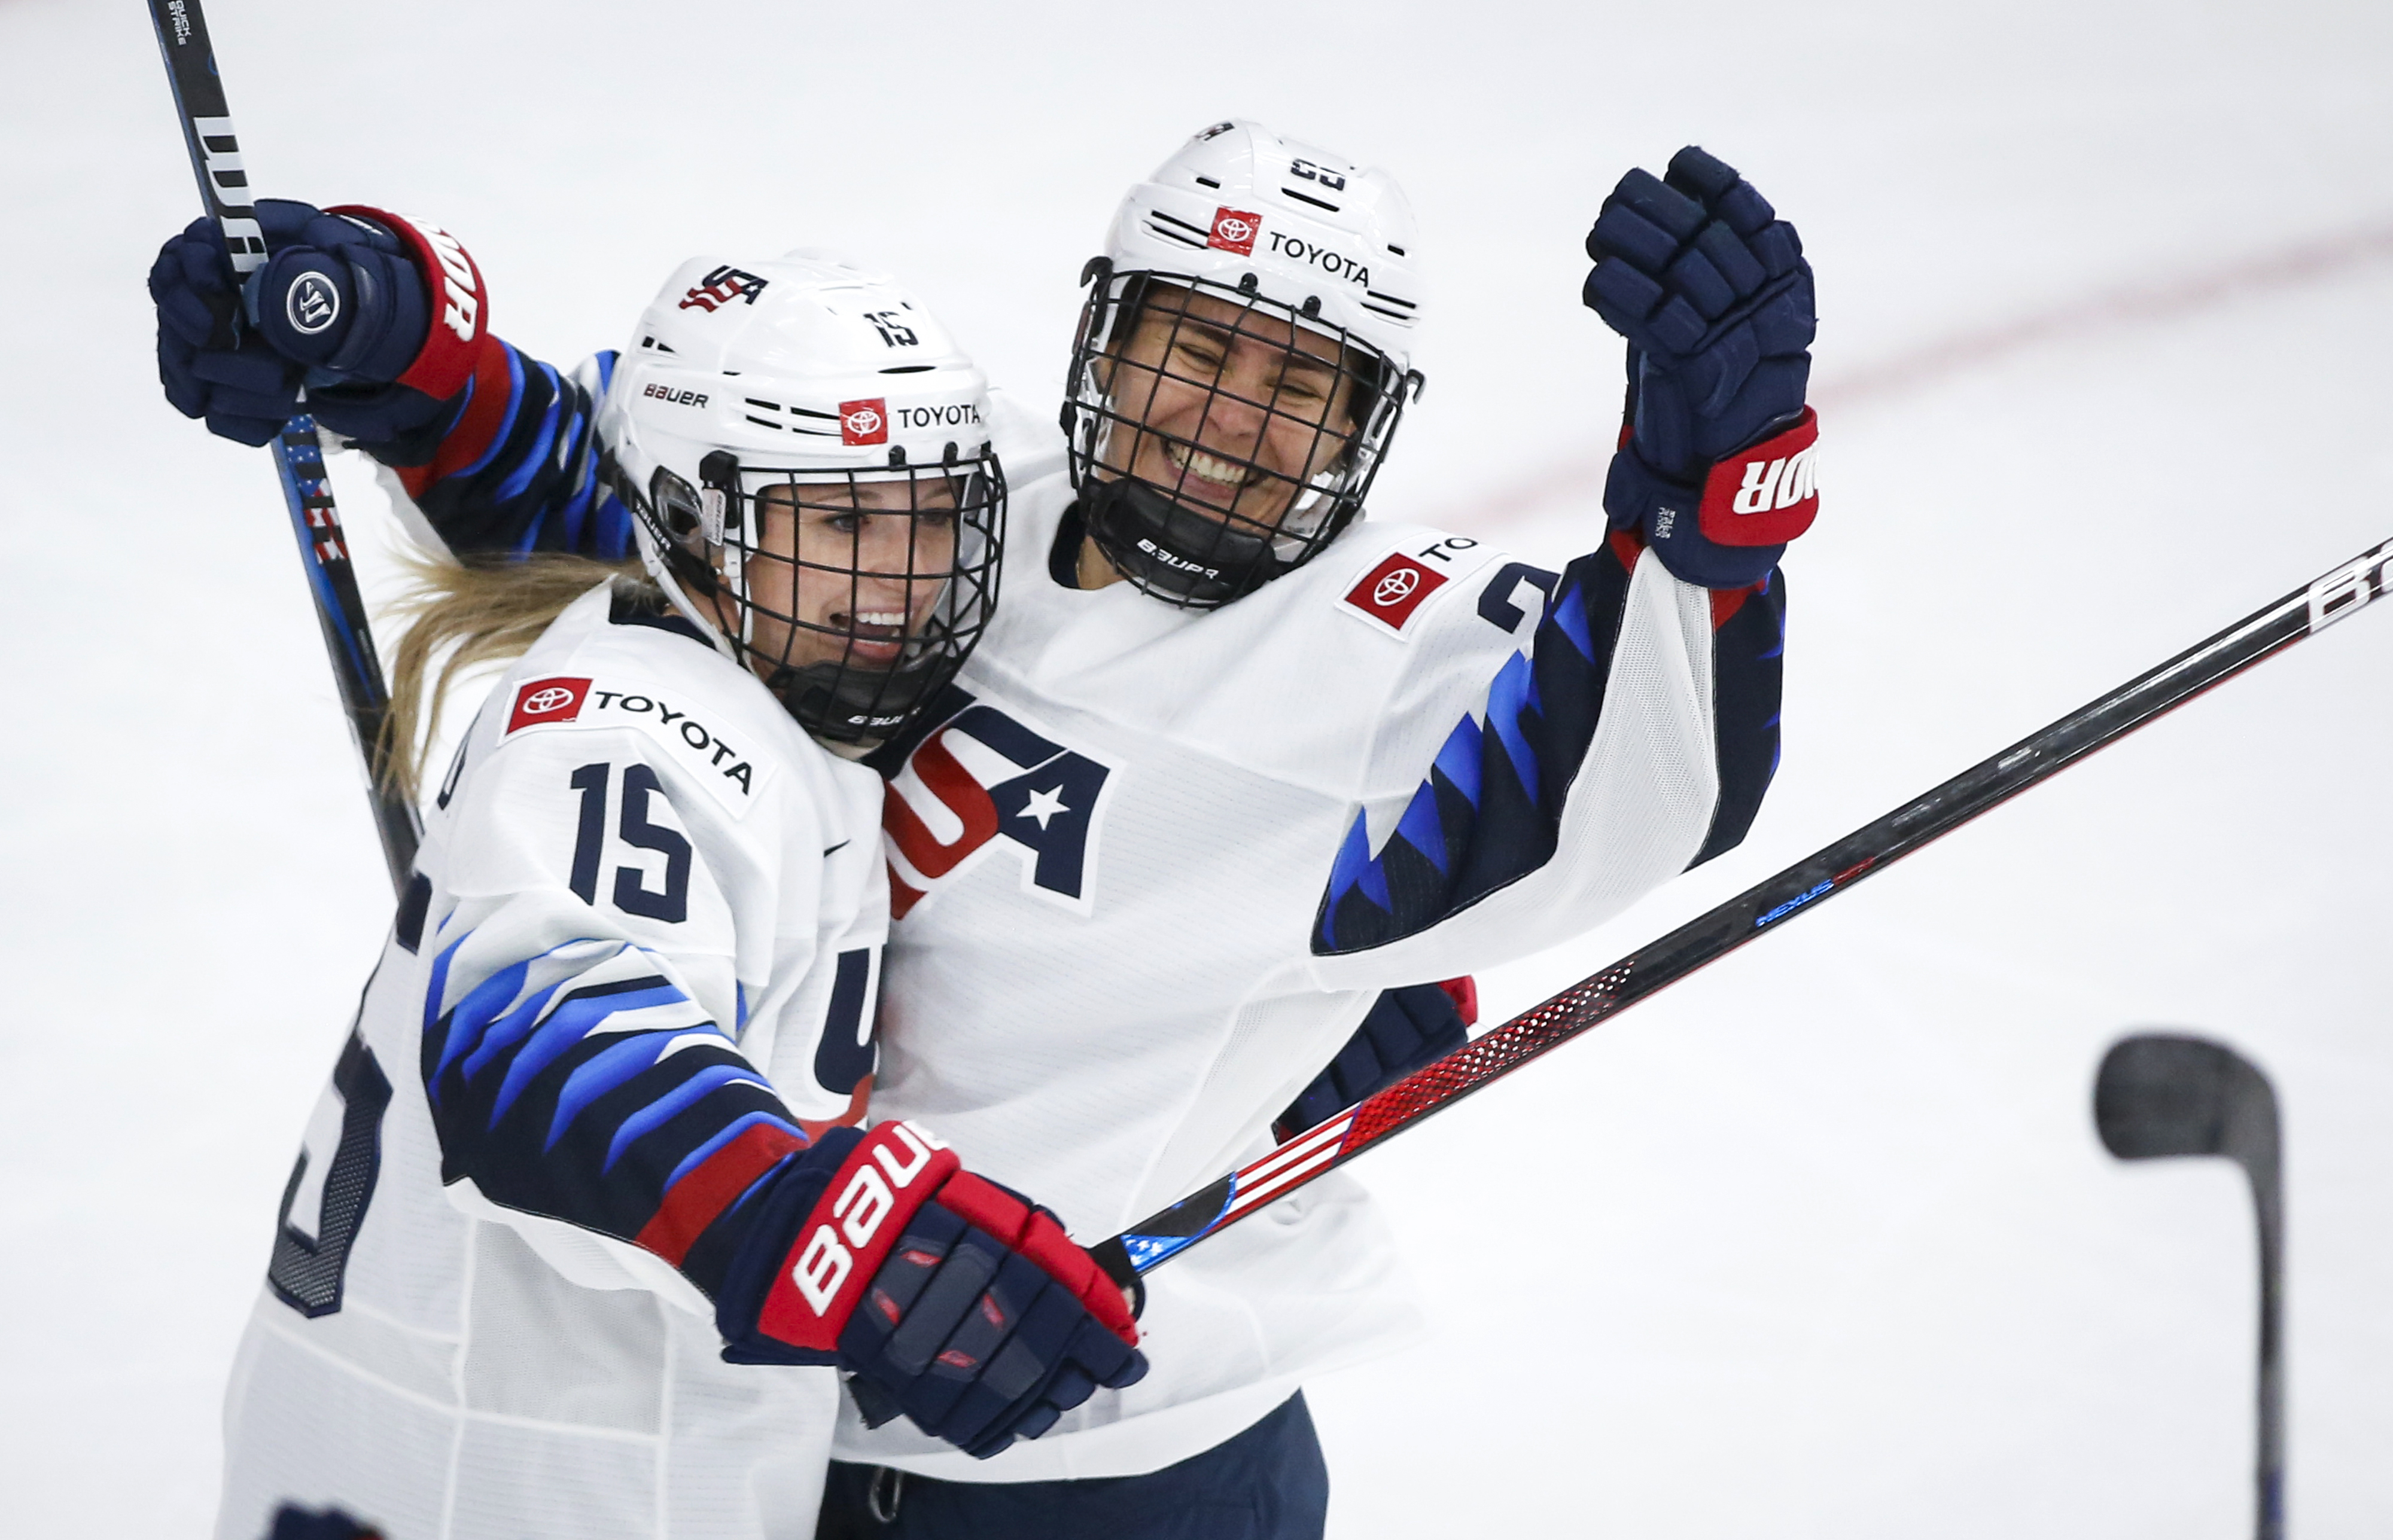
[298, 457]
[2162, 1095]
[1713, 935]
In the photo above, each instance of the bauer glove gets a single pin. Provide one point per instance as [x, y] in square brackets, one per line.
[952, 1300]
[1711, 289]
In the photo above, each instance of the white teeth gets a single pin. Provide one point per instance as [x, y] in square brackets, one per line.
[881, 618]
[1199, 464]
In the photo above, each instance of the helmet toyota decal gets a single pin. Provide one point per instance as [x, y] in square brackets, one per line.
[1297, 248]
[721, 287]
[954, 415]
[1234, 230]
[864, 422]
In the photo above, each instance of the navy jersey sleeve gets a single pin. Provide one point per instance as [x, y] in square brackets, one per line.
[584, 1085]
[513, 467]
[1526, 799]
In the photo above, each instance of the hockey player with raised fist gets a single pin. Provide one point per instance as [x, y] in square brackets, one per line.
[1234, 763]
[582, 1235]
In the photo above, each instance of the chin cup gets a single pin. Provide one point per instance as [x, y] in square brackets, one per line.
[1200, 561]
[852, 705]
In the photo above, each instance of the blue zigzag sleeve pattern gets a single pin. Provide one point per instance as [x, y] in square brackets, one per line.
[535, 487]
[584, 1086]
[1490, 811]
[1748, 657]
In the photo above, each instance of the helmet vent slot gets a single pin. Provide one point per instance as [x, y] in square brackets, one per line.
[1208, 181]
[908, 369]
[1308, 197]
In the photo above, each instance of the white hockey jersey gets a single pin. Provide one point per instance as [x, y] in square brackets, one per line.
[1152, 865]
[641, 949]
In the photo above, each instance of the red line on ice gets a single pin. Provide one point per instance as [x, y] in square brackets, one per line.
[2290, 266]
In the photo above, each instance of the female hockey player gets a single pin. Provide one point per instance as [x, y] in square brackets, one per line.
[581, 1231]
[1233, 770]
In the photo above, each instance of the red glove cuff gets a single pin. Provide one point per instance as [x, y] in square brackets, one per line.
[452, 344]
[849, 1234]
[1763, 495]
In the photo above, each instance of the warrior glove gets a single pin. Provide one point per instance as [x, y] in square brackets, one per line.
[952, 1300]
[1711, 289]
[378, 318]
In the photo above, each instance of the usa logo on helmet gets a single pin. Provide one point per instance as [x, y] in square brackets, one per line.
[864, 422]
[719, 288]
[1234, 230]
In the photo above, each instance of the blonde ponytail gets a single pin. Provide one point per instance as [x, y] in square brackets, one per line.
[479, 610]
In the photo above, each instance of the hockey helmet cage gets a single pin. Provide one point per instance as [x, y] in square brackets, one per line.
[1240, 232]
[805, 454]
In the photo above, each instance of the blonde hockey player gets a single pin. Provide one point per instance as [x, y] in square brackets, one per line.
[581, 1231]
[1235, 768]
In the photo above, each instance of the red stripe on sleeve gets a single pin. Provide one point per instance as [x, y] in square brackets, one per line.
[697, 1199]
[471, 437]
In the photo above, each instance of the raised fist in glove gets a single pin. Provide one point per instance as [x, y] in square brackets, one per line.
[952, 1300]
[376, 315]
[1711, 289]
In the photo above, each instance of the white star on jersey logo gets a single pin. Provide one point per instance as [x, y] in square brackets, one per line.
[1043, 806]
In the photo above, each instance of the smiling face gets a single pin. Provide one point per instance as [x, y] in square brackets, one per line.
[1228, 409]
[844, 571]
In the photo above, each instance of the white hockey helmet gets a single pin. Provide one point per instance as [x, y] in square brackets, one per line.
[807, 457]
[1269, 231]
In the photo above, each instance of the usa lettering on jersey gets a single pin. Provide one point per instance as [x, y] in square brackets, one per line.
[984, 781]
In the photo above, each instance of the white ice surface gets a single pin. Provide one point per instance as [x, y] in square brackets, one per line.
[1820, 1242]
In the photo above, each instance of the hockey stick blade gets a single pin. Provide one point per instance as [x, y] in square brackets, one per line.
[1761, 908]
[208, 136]
[2165, 1094]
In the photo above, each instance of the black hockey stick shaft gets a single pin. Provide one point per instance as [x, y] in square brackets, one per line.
[1760, 907]
[182, 30]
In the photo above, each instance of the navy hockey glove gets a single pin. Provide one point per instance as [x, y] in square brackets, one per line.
[952, 1300]
[1405, 1029]
[1711, 289]
[346, 305]
[293, 1522]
